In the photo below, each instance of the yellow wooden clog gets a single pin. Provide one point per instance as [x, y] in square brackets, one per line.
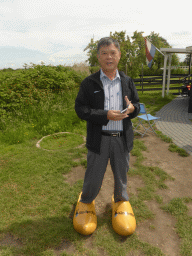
[85, 219]
[123, 219]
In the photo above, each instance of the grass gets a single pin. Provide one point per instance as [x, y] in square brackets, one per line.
[37, 203]
[35, 199]
[65, 140]
[178, 208]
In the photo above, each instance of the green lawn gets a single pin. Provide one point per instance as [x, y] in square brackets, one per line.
[36, 202]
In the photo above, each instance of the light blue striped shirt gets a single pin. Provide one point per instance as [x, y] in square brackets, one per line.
[113, 100]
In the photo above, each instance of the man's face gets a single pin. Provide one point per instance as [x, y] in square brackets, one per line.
[109, 57]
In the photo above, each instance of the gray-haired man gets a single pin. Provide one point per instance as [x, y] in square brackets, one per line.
[101, 98]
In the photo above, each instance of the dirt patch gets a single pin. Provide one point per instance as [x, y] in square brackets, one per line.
[10, 240]
[190, 209]
[77, 173]
[160, 231]
[89, 244]
[178, 167]
[66, 246]
[134, 183]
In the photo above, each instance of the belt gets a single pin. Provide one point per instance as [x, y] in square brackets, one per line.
[113, 134]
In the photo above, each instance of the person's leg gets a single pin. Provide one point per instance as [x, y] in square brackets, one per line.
[85, 219]
[119, 159]
[96, 168]
[123, 219]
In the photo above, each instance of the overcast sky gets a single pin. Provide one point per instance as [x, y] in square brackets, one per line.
[57, 31]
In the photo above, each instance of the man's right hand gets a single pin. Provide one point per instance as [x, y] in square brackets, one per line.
[116, 115]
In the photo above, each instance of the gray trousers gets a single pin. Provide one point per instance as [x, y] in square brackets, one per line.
[113, 148]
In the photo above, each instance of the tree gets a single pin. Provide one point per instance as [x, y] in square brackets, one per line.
[132, 53]
[160, 42]
[25, 65]
[127, 53]
[92, 55]
[187, 59]
[138, 56]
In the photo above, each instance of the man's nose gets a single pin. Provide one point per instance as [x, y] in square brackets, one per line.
[109, 55]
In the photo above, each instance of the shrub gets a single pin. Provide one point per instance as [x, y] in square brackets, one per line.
[40, 98]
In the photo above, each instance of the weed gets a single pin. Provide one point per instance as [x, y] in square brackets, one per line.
[164, 137]
[180, 151]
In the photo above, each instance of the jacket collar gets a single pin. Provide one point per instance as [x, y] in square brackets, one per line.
[96, 77]
[102, 74]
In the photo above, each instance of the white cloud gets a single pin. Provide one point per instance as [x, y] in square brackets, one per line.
[68, 56]
[5, 9]
[61, 29]
[67, 53]
[181, 39]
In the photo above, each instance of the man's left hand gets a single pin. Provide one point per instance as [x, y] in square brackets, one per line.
[131, 108]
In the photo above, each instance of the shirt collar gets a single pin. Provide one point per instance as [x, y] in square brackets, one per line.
[102, 74]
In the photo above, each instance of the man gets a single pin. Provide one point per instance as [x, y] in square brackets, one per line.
[101, 98]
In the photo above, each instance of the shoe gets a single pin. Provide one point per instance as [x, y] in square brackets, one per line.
[85, 219]
[123, 219]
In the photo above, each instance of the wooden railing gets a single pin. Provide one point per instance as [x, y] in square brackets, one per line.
[148, 83]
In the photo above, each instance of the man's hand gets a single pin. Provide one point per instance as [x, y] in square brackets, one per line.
[116, 115]
[131, 108]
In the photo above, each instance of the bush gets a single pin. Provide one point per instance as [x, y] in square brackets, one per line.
[152, 71]
[179, 71]
[94, 69]
[38, 101]
[30, 86]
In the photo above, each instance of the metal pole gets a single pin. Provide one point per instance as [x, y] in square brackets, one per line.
[142, 77]
[164, 74]
[189, 67]
[169, 74]
[190, 98]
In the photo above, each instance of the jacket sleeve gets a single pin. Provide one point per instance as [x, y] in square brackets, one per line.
[134, 99]
[84, 108]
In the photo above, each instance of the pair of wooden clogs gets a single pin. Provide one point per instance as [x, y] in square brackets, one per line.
[123, 219]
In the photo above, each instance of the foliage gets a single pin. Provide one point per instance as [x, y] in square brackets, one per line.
[160, 42]
[37, 101]
[92, 53]
[187, 59]
[132, 53]
[35, 85]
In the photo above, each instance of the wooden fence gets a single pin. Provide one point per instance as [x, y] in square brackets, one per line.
[149, 83]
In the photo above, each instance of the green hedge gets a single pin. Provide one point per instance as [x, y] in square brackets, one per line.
[30, 86]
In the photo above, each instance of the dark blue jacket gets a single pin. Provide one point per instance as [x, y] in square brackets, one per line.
[89, 106]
